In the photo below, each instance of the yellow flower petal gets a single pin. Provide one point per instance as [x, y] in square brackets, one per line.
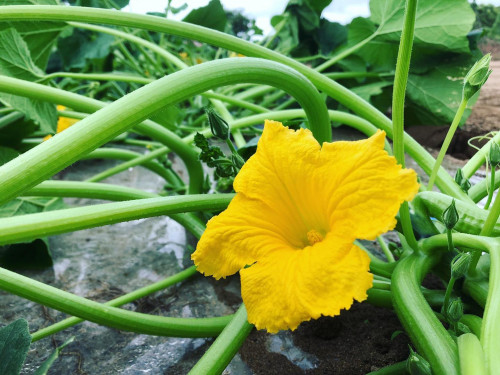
[285, 289]
[237, 236]
[64, 123]
[297, 210]
[365, 187]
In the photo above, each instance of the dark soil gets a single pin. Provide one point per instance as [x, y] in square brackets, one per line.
[355, 342]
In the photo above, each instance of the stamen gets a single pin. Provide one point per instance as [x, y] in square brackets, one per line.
[313, 236]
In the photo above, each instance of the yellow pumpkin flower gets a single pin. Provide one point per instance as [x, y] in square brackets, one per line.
[64, 123]
[290, 228]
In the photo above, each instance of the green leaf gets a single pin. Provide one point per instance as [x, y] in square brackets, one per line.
[14, 132]
[40, 36]
[211, 16]
[378, 54]
[7, 154]
[15, 58]
[435, 96]
[319, 5]
[31, 255]
[330, 36]
[41, 113]
[371, 89]
[84, 45]
[440, 24]
[45, 366]
[100, 3]
[30, 205]
[15, 341]
[15, 61]
[289, 34]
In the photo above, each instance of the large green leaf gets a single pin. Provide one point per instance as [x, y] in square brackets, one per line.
[330, 36]
[16, 61]
[7, 154]
[100, 3]
[29, 255]
[434, 97]
[41, 113]
[15, 341]
[212, 16]
[83, 45]
[379, 54]
[40, 36]
[371, 89]
[442, 24]
[15, 57]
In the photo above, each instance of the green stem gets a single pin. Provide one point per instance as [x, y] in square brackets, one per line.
[492, 189]
[77, 189]
[129, 164]
[479, 157]
[10, 118]
[127, 155]
[106, 315]
[186, 30]
[167, 56]
[349, 75]
[385, 249]
[346, 52]
[491, 324]
[447, 141]
[237, 102]
[31, 226]
[471, 355]
[490, 331]
[65, 148]
[225, 347]
[424, 328]
[492, 218]
[144, 81]
[447, 295]
[398, 100]
[120, 301]
[450, 240]
[395, 369]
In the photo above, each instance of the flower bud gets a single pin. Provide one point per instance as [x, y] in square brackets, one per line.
[455, 310]
[450, 216]
[218, 125]
[463, 328]
[494, 155]
[477, 76]
[463, 182]
[460, 265]
[417, 365]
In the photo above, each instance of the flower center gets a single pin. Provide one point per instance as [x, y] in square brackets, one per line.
[313, 236]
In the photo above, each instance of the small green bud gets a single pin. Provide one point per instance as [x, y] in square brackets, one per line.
[417, 365]
[477, 76]
[450, 216]
[218, 125]
[463, 182]
[460, 265]
[237, 160]
[462, 328]
[455, 310]
[494, 155]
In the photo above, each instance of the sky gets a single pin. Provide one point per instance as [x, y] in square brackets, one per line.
[341, 11]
